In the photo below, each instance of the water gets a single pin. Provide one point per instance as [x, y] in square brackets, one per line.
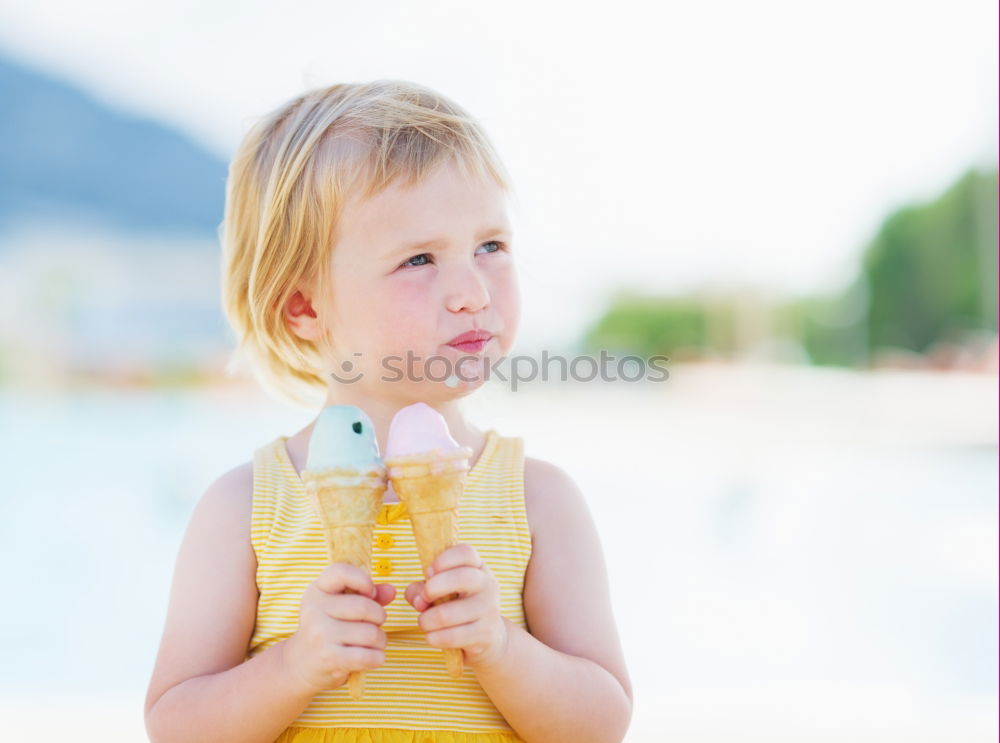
[777, 568]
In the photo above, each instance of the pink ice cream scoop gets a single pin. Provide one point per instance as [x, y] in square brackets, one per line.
[417, 429]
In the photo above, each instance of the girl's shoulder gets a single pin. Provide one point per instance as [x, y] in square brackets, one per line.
[549, 494]
[235, 485]
[229, 496]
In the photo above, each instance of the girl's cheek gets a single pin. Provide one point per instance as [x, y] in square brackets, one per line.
[404, 298]
[407, 292]
[507, 297]
[400, 313]
[504, 275]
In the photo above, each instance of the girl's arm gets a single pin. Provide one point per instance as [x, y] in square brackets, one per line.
[566, 680]
[201, 689]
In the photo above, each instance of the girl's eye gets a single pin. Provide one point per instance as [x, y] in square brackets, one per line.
[426, 256]
[500, 246]
[422, 255]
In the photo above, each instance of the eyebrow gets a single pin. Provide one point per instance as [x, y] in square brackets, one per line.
[421, 244]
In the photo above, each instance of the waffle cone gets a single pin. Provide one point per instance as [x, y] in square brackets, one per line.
[347, 503]
[431, 486]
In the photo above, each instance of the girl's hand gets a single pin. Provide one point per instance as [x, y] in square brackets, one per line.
[338, 632]
[472, 621]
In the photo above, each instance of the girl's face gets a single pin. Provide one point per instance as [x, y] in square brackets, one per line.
[411, 270]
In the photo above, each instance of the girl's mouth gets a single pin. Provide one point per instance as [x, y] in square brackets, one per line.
[471, 346]
[472, 341]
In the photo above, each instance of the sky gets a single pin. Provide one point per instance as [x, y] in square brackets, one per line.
[663, 147]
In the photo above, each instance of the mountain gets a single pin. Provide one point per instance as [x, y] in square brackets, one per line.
[65, 155]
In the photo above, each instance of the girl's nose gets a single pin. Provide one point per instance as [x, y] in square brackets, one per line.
[466, 289]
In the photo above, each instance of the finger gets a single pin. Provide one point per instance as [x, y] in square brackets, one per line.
[412, 592]
[358, 658]
[451, 613]
[361, 634]
[341, 577]
[457, 636]
[386, 593]
[464, 581]
[352, 608]
[453, 557]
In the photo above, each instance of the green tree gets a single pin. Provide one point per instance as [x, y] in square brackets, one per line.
[648, 325]
[931, 269]
[929, 274]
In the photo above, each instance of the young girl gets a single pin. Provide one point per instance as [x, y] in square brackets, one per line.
[368, 261]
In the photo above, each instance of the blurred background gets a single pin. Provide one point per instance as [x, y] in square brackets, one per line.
[796, 203]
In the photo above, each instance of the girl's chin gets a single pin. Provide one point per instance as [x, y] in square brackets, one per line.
[468, 376]
[472, 370]
[442, 374]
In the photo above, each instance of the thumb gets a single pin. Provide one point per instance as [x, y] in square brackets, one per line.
[385, 593]
[413, 595]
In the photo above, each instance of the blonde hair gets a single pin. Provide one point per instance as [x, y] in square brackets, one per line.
[286, 189]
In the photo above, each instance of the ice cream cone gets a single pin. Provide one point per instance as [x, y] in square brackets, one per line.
[430, 484]
[347, 503]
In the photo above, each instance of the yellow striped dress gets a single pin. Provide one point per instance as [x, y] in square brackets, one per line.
[411, 698]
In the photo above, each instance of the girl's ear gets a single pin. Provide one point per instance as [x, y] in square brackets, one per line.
[301, 317]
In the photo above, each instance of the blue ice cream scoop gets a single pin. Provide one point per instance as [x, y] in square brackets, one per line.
[343, 436]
